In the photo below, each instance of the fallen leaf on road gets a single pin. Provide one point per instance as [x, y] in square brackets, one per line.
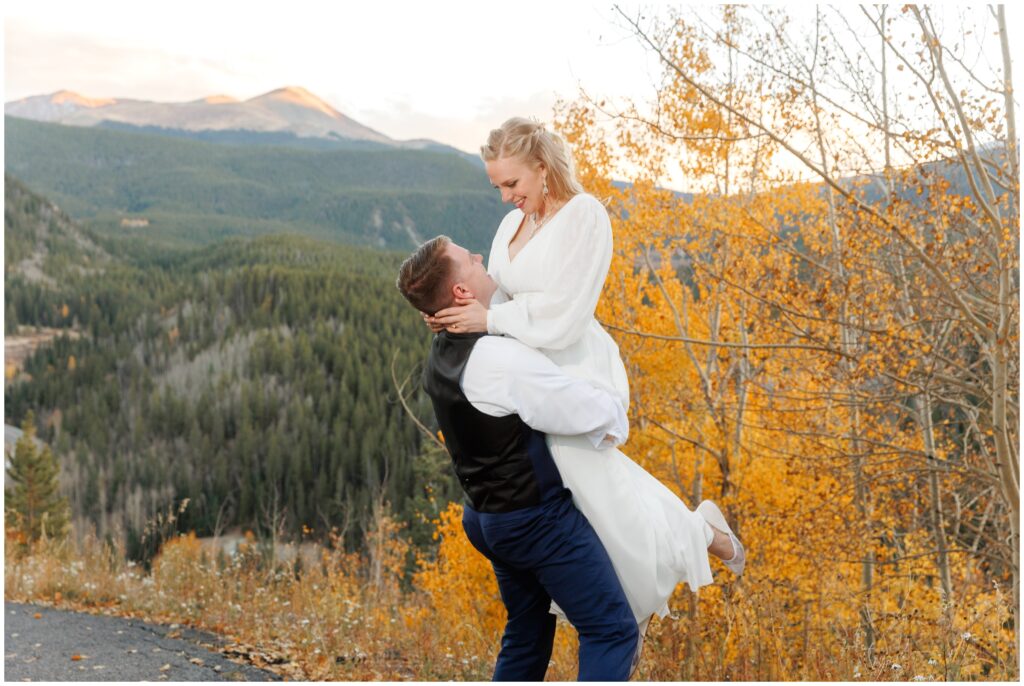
[76, 657]
[165, 667]
[37, 615]
[195, 660]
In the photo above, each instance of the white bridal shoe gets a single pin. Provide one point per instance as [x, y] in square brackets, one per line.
[713, 516]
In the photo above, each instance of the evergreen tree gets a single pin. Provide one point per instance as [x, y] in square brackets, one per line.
[34, 503]
[223, 375]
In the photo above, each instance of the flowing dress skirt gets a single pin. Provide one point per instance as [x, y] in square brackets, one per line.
[653, 539]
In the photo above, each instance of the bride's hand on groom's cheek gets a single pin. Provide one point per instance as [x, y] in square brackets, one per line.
[468, 315]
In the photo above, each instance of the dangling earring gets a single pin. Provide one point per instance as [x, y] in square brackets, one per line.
[545, 190]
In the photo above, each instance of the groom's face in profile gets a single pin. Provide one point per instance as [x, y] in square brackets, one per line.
[471, 277]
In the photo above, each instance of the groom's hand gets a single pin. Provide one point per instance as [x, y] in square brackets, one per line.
[468, 315]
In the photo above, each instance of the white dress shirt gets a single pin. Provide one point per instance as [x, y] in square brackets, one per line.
[504, 376]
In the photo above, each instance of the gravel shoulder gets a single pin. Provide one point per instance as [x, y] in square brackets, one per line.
[46, 644]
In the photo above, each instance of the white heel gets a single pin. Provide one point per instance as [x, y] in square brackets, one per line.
[713, 516]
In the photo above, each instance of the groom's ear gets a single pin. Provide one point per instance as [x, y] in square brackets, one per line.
[460, 291]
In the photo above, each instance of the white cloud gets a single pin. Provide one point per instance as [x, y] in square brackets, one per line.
[465, 130]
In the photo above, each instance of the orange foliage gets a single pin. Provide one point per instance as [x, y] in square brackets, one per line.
[465, 612]
[781, 343]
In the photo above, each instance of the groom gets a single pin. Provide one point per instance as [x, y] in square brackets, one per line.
[494, 399]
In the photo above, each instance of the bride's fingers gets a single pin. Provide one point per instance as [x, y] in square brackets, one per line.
[457, 309]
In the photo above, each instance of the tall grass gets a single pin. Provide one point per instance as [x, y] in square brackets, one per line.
[361, 616]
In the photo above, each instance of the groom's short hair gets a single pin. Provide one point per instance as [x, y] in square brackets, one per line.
[427, 276]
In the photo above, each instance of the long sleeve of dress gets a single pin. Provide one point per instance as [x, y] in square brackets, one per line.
[555, 315]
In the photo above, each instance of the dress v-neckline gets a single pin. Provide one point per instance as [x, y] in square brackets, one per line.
[508, 246]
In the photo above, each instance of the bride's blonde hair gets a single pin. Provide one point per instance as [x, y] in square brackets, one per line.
[528, 140]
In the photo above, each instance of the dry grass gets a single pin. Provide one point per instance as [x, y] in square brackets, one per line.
[356, 618]
[328, 622]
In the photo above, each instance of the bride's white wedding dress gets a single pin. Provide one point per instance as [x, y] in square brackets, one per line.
[554, 282]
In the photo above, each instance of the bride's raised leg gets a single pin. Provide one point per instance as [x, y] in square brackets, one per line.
[722, 543]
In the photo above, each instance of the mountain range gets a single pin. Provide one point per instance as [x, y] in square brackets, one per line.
[290, 116]
[162, 189]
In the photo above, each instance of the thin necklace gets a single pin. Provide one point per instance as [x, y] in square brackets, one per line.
[543, 221]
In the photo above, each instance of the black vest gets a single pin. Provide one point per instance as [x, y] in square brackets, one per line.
[502, 464]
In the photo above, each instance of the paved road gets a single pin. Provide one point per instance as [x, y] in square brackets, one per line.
[111, 649]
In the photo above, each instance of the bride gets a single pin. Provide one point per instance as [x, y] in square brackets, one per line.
[550, 257]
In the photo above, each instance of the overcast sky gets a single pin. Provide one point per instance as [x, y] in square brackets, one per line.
[446, 70]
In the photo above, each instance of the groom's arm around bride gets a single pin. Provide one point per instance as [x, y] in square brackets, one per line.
[494, 398]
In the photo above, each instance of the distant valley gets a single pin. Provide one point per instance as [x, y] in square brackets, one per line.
[241, 374]
[178, 193]
[192, 173]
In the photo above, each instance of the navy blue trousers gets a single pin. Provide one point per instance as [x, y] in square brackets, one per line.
[550, 552]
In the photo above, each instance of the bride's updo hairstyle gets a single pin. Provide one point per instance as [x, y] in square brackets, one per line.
[528, 141]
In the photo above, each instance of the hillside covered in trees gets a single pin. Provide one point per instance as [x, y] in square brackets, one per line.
[251, 377]
[182, 192]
